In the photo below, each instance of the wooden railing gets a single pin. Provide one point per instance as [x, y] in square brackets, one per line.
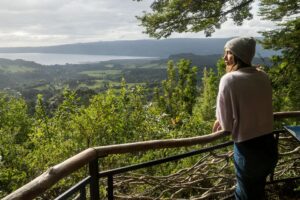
[43, 182]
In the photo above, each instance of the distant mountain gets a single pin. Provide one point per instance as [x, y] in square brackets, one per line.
[145, 48]
[211, 60]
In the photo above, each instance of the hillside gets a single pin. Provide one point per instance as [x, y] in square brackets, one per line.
[20, 74]
[149, 48]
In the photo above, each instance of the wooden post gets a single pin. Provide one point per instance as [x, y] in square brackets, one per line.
[110, 187]
[94, 183]
[82, 194]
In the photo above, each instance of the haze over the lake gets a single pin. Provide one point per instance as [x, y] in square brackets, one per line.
[54, 22]
[62, 59]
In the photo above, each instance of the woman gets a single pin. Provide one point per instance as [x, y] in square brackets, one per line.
[244, 109]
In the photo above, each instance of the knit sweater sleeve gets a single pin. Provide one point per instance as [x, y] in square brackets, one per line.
[224, 110]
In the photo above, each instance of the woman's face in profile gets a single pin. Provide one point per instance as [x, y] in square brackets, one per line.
[229, 59]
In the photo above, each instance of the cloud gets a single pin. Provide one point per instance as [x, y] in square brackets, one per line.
[56, 22]
[51, 22]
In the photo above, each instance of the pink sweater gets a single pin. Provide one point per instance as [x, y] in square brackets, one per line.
[244, 104]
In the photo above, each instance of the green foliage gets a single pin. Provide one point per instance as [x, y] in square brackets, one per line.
[15, 126]
[285, 73]
[276, 10]
[204, 109]
[286, 70]
[207, 101]
[192, 16]
[179, 91]
[52, 135]
[111, 116]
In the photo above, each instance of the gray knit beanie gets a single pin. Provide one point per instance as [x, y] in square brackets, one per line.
[242, 47]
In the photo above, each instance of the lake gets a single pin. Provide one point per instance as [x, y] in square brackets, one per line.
[61, 59]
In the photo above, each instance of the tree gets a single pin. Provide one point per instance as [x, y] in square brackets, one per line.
[15, 125]
[206, 105]
[180, 16]
[285, 74]
[276, 10]
[204, 109]
[179, 90]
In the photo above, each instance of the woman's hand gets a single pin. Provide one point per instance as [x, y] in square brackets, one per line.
[216, 126]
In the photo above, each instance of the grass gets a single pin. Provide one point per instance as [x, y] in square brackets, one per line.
[109, 65]
[43, 87]
[154, 66]
[99, 84]
[15, 69]
[101, 73]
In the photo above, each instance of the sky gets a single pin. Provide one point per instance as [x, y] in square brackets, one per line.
[54, 22]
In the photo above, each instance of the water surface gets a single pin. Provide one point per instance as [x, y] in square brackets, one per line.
[61, 59]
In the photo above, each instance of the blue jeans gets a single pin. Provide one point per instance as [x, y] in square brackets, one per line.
[254, 160]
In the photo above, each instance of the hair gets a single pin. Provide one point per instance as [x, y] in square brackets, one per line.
[238, 64]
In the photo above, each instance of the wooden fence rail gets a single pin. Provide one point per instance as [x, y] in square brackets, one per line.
[59, 171]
